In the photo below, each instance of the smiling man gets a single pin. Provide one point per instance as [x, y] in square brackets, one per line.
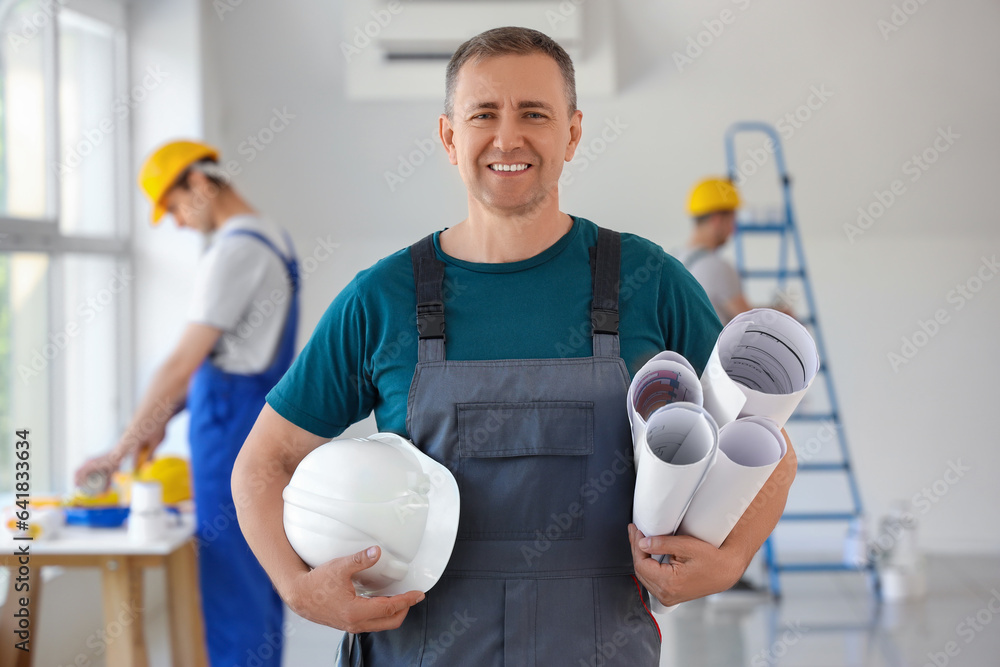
[515, 378]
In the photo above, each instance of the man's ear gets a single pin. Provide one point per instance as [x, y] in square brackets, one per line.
[447, 133]
[201, 185]
[575, 133]
[197, 182]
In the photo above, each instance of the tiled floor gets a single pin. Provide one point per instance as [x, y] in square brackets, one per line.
[823, 620]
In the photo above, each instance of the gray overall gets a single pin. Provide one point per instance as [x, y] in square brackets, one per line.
[541, 573]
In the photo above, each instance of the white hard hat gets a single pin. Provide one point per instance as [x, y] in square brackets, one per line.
[350, 494]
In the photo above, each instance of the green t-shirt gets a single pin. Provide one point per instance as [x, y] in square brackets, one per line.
[362, 355]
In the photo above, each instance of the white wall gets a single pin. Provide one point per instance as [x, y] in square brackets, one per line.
[323, 175]
[164, 36]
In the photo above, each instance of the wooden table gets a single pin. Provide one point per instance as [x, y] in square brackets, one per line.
[121, 562]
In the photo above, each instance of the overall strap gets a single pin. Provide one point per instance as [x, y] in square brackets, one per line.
[428, 277]
[605, 265]
[291, 264]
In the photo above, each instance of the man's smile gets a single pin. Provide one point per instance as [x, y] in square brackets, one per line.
[509, 168]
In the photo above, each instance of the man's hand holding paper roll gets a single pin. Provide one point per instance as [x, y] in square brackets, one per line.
[695, 568]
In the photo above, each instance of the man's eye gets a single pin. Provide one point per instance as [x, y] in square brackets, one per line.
[535, 114]
[481, 116]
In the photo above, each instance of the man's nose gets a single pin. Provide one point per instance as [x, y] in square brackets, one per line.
[508, 134]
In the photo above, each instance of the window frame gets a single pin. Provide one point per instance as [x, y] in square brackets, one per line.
[44, 236]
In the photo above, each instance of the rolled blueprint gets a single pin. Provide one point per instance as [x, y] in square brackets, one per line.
[762, 365]
[666, 378]
[678, 447]
[749, 450]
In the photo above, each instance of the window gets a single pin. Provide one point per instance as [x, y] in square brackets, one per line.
[65, 276]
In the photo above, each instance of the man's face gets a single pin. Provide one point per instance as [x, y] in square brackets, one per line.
[725, 223]
[191, 206]
[511, 131]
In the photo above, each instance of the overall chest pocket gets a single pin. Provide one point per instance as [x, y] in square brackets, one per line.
[522, 468]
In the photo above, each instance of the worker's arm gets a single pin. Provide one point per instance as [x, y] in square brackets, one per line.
[163, 399]
[697, 568]
[738, 304]
[323, 595]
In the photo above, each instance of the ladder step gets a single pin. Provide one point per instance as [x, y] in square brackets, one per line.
[839, 465]
[767, 227]
[819, 516]
[772, 273]
[814, 417]
[820, 567]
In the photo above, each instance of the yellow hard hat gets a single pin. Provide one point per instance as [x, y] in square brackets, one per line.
[711, 195]
[173, 473]
[165, 165]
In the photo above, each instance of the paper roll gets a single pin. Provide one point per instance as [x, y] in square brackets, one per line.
[678, 447]
[749, 450]
[666, 378]
[762, 365]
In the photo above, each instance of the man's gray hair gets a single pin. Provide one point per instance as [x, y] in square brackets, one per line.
[508, 41]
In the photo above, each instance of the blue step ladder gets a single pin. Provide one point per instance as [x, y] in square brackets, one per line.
[782, 224]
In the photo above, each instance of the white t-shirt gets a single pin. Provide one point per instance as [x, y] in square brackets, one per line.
[717, 277]
[242, 287]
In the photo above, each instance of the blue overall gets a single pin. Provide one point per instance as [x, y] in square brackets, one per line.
[243, 613]
[542, 572]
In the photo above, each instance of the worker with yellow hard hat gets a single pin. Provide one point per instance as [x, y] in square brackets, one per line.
[712, 205]
[238, 342]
